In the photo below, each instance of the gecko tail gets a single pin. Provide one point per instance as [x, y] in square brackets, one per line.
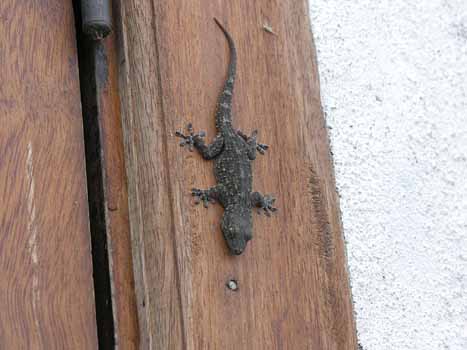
[224, 107]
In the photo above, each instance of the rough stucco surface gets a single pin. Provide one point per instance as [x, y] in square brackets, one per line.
[393, 83]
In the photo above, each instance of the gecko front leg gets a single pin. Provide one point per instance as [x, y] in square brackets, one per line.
[253, 144]
[197, 140]
[189, 140]
[265, 202]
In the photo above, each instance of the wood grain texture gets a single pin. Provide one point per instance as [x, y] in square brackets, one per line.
[116, 198]
[46, 289]
[293, 284]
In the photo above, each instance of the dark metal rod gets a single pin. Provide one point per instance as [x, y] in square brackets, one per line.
[97, 19]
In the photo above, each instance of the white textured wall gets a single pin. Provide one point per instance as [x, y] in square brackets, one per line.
[393, 82]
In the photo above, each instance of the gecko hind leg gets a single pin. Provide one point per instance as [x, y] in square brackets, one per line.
[211, 195]
[263, 202]
[253, 145]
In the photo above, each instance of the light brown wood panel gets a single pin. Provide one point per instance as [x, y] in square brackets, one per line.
[293, 283]
[46, 289]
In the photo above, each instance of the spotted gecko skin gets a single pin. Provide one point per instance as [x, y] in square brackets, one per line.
[232, 152]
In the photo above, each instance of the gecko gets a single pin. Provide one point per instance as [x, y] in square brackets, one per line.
[232, 152]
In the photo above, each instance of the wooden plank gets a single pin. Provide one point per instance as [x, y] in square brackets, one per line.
[293, 284]
[46, 289]
[116, 201]
[156, 280]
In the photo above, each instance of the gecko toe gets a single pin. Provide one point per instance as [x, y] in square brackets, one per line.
[189, 139]
[202, 196]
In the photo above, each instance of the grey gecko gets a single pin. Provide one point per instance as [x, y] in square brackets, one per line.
[232, 152]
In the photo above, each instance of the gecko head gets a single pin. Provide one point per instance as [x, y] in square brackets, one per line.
[236, 227]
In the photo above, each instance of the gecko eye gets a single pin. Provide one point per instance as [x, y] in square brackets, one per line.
[230, 234]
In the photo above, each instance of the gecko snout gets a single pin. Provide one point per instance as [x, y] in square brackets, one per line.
[237, 251]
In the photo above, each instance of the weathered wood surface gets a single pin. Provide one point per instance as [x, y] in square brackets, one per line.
[116, 197]
[293, 284]
[46, 290]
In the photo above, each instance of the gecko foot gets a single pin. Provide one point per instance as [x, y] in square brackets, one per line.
[264, 203]
[268, 205]
[189, 140]
[261, 148]
[251, 140]
[202, 195]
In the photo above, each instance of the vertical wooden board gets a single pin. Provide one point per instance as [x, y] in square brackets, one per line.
[150, 208]
[293, 284]
[116, 196]
[46, 290]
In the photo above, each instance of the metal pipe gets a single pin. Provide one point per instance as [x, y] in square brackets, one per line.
[96, 17]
